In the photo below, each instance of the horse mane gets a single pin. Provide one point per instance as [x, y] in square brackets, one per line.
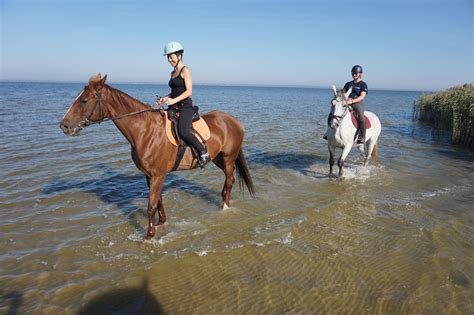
[127, 102]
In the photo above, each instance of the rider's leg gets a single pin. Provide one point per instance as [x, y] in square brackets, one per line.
[184, 129]
[359, 107]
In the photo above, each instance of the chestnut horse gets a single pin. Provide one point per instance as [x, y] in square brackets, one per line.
[152, 152]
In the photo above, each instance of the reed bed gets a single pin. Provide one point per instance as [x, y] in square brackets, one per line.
[451, 110]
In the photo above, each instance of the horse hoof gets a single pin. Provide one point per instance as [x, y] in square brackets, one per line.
[147, 240]
[225, 207]
[151, 232]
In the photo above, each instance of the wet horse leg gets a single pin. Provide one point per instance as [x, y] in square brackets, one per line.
[361, 148]
[229, 181]
[332, 152]
[226, 164]
[345, 153]
[154, 204]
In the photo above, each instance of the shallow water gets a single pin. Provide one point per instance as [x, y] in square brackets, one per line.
[396, 237]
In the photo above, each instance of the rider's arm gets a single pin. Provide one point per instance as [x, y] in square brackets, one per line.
[358, 99]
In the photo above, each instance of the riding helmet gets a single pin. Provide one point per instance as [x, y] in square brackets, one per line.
[357, 69]
[173, 47]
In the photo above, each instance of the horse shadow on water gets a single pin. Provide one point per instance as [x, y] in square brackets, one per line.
[13, 299]
[293, 161]
[135, 300]
[122, 190]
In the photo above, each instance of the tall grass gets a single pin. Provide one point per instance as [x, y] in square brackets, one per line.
[452, 110]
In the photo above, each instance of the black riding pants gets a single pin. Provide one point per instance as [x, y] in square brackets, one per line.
[359, 108]
[185, 124]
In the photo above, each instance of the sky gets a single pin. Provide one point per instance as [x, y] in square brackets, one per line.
[401, 44]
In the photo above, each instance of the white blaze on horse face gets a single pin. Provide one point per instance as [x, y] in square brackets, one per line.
[338, 110]
[77, 97]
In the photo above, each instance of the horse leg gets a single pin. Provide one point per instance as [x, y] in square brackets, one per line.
[229, 182]
[370, 150]
[226, 164]
[340, 163]
[361, 148]
[332, 151]
[154, 204]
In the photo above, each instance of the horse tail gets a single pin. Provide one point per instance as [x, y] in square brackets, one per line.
[244, 174]
[375, 152]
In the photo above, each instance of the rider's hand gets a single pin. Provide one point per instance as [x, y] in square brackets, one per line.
[159, 100]
[165, 100]
[170, 101]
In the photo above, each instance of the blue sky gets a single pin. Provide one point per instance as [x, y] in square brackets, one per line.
[402, 44]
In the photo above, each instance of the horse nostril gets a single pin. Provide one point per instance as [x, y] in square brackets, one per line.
[63, 127]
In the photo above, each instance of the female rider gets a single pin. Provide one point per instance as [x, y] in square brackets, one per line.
[181, 85]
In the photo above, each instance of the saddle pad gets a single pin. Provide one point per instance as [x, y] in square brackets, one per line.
[199, 126]
[354, 121]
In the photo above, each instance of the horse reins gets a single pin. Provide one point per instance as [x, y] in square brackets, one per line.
[98, 96]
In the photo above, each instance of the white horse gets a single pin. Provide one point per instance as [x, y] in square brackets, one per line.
[342, 133]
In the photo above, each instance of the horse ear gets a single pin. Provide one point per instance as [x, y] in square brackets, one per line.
[104, 78]
[95, 79]
[334, 89]
[92, 79]
[348, 93]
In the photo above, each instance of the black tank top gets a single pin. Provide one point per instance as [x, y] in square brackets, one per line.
[178, 87]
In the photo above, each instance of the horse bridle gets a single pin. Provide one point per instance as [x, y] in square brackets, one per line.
[98, 95]
[338, 118]
[86, 122]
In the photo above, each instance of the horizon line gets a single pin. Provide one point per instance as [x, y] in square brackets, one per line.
[223, 85]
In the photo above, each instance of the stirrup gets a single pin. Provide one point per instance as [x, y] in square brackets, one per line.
[204, 159]
[325, 137]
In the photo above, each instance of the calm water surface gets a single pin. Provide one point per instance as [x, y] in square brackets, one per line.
[391, 238]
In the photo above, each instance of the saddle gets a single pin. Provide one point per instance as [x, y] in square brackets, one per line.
[200, 129]
[356, 124]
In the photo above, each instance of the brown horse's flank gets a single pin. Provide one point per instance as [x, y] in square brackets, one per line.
[151, 150]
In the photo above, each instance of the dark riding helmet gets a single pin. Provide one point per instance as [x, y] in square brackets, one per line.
[357, 69]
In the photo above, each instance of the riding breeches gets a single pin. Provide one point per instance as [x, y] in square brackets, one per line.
[359, 108]
[185, 124]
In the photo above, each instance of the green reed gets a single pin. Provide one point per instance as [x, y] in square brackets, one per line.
[452, 110]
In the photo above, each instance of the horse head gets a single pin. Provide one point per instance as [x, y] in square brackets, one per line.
[86, 109]
[339, 106]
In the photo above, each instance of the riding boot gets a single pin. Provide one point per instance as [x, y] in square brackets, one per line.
[204, 158]
[361, 137]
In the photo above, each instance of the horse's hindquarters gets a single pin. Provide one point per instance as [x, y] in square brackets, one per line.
[227, 133]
